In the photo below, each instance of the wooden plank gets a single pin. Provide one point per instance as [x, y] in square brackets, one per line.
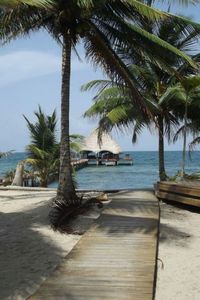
[115, 259]
[178, 198]
[179, 189]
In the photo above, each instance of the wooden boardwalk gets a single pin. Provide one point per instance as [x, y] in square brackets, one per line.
[115, 259]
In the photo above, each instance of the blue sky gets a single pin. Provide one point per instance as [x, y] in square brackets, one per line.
[30, 75]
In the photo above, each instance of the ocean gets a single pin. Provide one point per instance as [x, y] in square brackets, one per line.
[142, 174]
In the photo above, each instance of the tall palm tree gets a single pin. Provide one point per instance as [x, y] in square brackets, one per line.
[102, 26]
[43, 150]
[187, 94]
[115, 110]
[113, 105]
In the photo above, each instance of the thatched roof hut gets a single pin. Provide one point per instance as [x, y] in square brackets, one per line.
[91, 143]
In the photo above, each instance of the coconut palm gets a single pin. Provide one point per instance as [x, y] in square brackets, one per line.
[102, 26]
[187, 94]
[43, 150]
[113, 106]
[115, 110]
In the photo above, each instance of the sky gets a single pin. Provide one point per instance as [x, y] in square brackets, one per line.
[30, 75]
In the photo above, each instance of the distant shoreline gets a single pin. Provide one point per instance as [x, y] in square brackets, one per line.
[19, 152]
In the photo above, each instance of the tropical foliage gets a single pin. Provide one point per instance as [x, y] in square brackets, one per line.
[114, 107]
[44, 149]
[186, 93]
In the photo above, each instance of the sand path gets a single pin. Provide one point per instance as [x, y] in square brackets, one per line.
[29, 248]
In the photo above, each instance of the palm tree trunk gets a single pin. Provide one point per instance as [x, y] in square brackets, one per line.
[184, 140]
[66, 190]
[161, 153]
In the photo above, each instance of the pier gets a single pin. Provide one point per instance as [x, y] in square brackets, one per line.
[115, 258]
[79, 164]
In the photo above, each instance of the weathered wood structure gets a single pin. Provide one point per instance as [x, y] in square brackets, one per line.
[79, 163]
[115, 259]
[186, 192]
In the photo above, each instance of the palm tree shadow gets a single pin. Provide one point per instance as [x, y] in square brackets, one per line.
[170, 212]
[26, 255]
[124, 216]
[169, 234]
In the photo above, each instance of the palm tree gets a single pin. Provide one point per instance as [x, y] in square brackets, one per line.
[43, 150]
[114, 109]
[102, 26]
[113, 105]
[187, 94]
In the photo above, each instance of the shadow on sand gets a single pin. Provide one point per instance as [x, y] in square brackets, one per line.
[26, 255]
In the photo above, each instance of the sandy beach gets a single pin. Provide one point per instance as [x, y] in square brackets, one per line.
[29, 248]
[179, 252]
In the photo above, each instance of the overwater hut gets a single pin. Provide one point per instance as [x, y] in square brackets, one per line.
[105, 152]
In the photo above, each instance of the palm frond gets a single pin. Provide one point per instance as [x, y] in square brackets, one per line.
[36, 3]
[100, 52]
[96, 85]
[194, 143]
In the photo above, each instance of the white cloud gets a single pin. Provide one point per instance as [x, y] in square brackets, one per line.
[22, 65]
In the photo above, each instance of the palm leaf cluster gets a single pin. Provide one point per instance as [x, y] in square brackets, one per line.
[43, 152]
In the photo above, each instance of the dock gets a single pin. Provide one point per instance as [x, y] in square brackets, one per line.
[115, 258]
[186, 192]
[79, 164]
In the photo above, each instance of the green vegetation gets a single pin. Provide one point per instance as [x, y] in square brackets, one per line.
[113, 106]
[187, 93]
[44, 149]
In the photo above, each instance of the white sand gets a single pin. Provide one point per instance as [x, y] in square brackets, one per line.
[179, 250]
[29, 248]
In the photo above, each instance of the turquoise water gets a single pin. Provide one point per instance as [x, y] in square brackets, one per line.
[143, 173]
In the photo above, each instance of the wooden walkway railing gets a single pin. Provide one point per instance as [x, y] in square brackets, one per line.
[115, 259]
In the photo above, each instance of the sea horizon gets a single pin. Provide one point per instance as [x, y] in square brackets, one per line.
[142, 174]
